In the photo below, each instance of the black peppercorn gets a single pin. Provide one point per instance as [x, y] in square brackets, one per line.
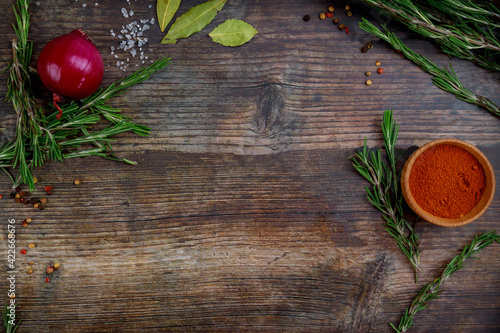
[336, 21]
[12, 195]
[341, 26]
[306, 18]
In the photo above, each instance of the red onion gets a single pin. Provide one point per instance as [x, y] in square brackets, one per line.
[70, 66]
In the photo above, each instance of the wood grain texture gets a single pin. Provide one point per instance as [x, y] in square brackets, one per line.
[244, 213]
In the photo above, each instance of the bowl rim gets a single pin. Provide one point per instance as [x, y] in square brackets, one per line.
[480, 207]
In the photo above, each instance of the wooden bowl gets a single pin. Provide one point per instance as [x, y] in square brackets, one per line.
[481, 206]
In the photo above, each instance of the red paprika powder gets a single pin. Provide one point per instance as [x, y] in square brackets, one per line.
[447, 181]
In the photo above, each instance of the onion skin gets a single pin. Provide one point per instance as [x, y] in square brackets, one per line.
[70, 66]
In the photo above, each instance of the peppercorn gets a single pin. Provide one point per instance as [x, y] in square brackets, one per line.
[50, 269]
[306, 18]
[341, 26]
[23, 251]
[12, 195]
[30, 271]
[336, 21]
[368, 73]
[329, 15]
[25, 224]
[368, 82]
[36, 205]
[377, 63]
[28, 220]
[322, 16]
[56, 265]
[18, 188]
[331, 9]
[347, 7]
[22, 194]
[47, 280]
[43, 201]
[31, 245]
[380, 70]
[17, 196]
[349, 14]
[41, 207]
[48, 188]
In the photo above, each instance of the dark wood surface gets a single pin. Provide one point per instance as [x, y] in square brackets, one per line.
[244, 213]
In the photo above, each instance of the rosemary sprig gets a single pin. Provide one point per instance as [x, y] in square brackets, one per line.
[8, 326]
[39, 135]
[463, 28]
[384, 193]
[443, 78]
[432, 289]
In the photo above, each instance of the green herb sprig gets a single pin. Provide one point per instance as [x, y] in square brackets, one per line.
[443, 78]
[39, 135]
[432, 290]
[385, 194]
[7, 322]
[466, 29]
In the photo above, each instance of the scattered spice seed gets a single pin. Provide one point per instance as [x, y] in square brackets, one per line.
[341, 26]
[28, 220]
[18, 188]
[306, 18]
[329, 15]
[17, 196]
[47, 280]
[346, 30]
[380, 70]
[22, 194]
[12, 195]
[41, 207]
[368, 73]
[331, 9]
[368, 82]
[43, 201]
[36, 205]
[31, 245]
[322, 16]
[347, 7]
[35, 180]
[349, 13]
[25, 224]
[30, 271]
[377, 63]
[1, 196]
[56, 265]
[23, 251]
[48, 188]
[50, 269]
[336, 21]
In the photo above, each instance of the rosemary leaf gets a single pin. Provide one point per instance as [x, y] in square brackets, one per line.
[444, 79]
[432, 290]
[384, 193]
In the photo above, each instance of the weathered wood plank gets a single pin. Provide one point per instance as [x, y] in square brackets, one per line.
[244, 213]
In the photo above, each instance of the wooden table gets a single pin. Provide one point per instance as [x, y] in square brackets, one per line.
[244, 213]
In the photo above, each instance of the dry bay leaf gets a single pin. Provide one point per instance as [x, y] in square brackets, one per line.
[233, 33]
[193, 20]
[165, 10]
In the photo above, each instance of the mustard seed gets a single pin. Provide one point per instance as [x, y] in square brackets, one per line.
[368, 82]
[377, 63]
[77, 182]
[322, 16]
[30, 271]
[368, 73]
[331, 9]
[28, 220]
[347, 7]
[43, 201]
[56, 265]
[31, 245]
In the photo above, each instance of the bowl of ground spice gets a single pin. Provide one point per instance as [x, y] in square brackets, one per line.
[448, 182]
